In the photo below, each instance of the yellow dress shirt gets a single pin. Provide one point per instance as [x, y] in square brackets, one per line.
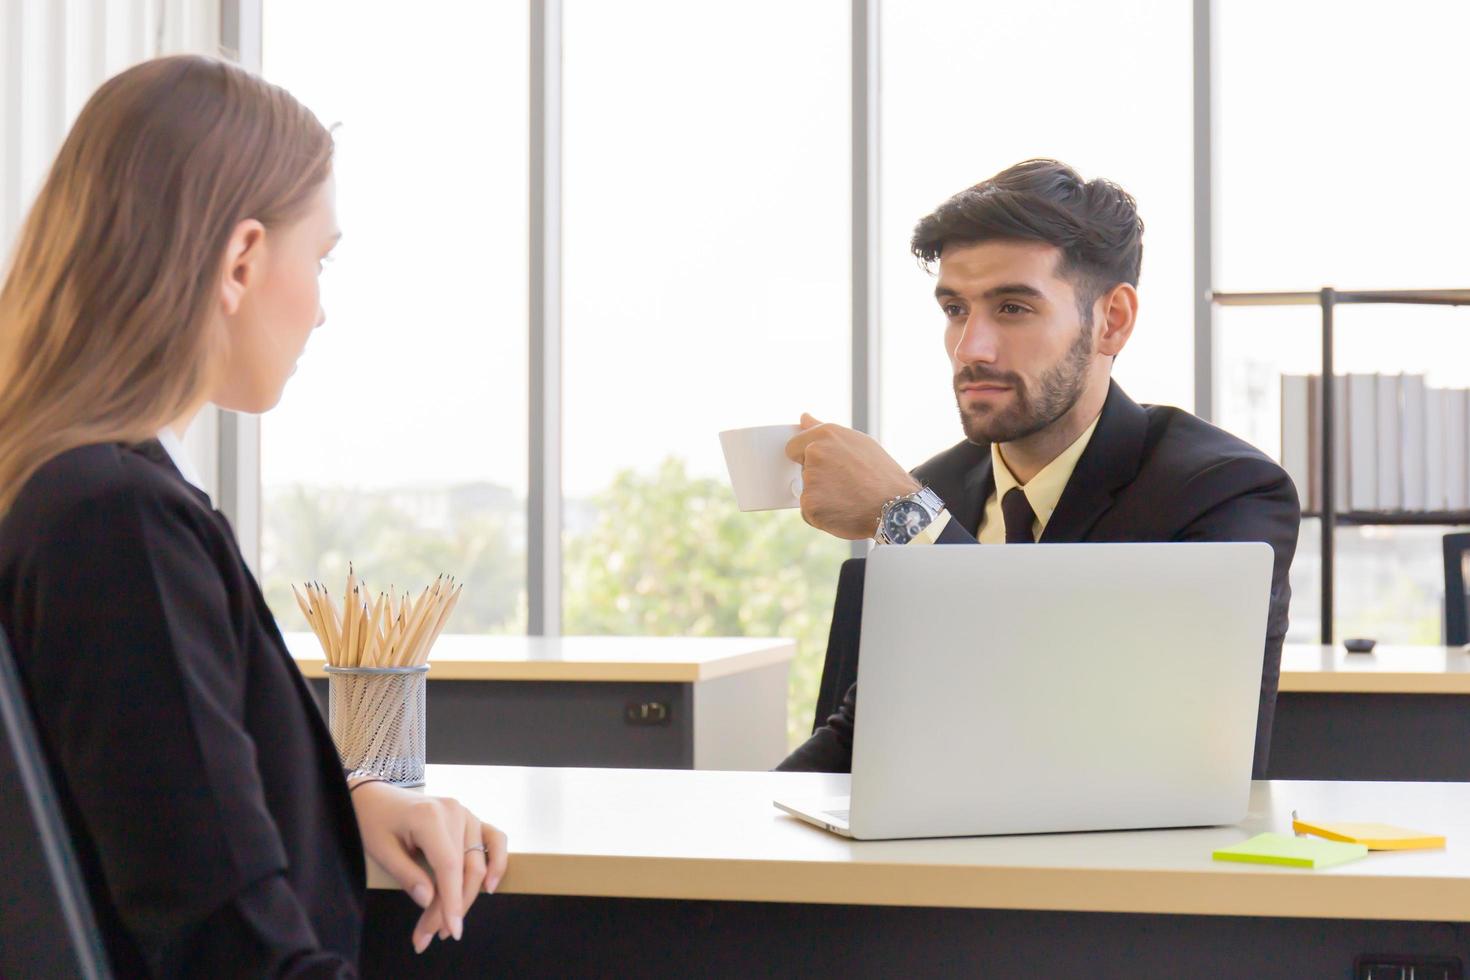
[1042, 493]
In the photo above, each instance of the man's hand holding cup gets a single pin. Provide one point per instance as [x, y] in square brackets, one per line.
[846, 478]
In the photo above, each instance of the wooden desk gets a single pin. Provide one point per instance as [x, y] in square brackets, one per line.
[717, 703]
[1308, 668]
[1398, 713]
[695, 873]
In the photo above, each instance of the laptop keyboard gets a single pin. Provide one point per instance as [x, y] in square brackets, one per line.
[839, 814]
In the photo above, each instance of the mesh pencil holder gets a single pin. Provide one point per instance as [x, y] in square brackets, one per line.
[377, 719]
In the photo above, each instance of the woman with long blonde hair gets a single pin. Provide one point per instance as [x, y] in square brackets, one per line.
[169, 262]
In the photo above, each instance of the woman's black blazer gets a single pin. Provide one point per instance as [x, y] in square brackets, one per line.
[197, 778]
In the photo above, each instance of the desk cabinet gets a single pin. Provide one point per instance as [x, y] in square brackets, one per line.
[658, 703]
[1399, 713]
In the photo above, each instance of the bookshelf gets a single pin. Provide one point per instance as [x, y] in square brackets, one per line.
[1328, 299]
[1362, 518]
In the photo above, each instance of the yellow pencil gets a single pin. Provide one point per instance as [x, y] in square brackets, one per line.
[362, 627]
[349, 629]
[395, 636]
[301, 604]
[311, 620]
[433, 624]
[315, 595]
[394, 630]
[374, 640]
[426, 612]
[420, 611]
[422, 655]
[348, 597]
[395, 639]
[334, 625]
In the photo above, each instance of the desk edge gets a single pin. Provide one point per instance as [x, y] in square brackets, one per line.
[1282, 894]
[1333, 682]
[591, 671]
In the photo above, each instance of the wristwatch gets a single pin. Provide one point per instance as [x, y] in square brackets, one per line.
[904, 517]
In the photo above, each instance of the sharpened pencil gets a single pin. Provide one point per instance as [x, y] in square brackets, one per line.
[394, 630]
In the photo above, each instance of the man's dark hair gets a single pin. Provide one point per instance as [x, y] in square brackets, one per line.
[1095, 223]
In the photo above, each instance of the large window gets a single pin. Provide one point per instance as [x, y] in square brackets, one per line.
[1338, 163]
[971, 88]
[705, 286]
[705, 282]
[401, 443]
[705, 240]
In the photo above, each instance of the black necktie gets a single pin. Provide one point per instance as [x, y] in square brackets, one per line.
[1019, 516]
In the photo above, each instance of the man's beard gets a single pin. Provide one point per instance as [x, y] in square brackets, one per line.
[1057, 391]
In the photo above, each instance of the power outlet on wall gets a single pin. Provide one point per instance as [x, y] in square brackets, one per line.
[1389, 967]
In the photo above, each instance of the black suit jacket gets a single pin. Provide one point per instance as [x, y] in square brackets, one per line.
[196, 776]
[1150, 473]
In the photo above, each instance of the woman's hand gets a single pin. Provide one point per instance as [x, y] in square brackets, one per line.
[398, 825]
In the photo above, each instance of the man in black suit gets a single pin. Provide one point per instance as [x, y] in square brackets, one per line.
[1037, 283]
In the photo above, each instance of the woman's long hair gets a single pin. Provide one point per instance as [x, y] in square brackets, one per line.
[105, 311]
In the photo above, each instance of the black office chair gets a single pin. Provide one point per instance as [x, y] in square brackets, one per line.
[1456, 601]
[46, 923]
[839, 670]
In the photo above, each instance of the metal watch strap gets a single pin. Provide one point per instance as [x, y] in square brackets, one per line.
[925, 497]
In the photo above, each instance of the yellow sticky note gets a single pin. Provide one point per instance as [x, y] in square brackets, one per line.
[1374, 836]
[1294, 852]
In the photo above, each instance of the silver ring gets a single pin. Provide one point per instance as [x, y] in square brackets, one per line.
[477, 847]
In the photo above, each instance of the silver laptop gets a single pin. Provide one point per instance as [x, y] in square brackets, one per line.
[1052, 688]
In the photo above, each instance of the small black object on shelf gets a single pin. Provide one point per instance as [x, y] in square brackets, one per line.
[1360, 644]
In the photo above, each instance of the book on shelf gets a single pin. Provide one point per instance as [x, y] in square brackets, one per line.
[1456, 431]
[1400, 446]
[1388, 415]
[1434, 482]
[1340, 482]
[1297, 442]
[1413, 445]
[1312, 497]
[1362, 429]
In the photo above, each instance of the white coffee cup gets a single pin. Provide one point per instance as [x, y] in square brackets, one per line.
[763, 478]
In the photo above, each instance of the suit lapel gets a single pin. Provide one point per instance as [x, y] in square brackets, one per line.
[979, 485]
[963, 479]
[1110, 462]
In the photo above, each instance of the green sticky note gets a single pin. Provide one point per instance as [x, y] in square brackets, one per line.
[1294, 852]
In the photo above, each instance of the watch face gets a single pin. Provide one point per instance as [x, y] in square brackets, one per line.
[904, 520]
